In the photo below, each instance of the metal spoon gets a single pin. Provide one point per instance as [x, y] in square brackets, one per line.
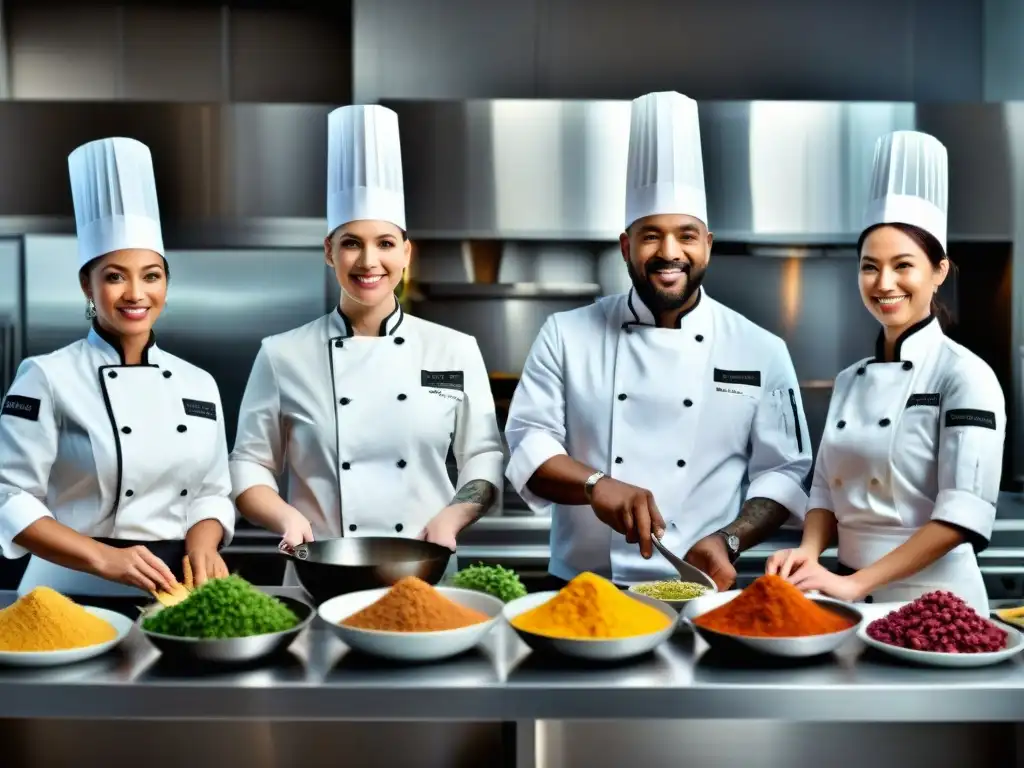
[686, 571]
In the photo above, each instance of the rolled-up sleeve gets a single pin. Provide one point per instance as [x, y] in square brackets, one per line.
[780, 458]
[258, 454]
[213, 499]
[535, 428]
[971, 436]
[477, 444]
[29, 428]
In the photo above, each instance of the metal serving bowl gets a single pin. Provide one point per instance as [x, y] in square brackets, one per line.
[591, 649]
[233, 649]
[335, 567]
[791, 647]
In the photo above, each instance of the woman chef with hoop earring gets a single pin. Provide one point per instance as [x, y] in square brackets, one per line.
[360, 407]
[113, 458]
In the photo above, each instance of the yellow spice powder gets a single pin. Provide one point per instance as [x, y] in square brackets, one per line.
[591, 607]
[45, 620]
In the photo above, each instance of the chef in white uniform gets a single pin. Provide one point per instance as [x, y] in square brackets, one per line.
[660, 410]
[354, 414]
[113, 458]
[908, 471]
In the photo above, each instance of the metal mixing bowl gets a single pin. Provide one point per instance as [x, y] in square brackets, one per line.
[233, 649]
[335, 567]
[791, 647]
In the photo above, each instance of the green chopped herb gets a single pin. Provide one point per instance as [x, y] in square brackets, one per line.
[671, 590]
[222, 608]
[502, 583]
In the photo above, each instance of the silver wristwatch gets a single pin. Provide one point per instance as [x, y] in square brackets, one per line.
[732, 544]
[588, 487]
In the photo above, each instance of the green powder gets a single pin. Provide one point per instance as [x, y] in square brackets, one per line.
[221, 608]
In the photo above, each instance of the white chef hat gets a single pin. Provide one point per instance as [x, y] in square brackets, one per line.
[114, 193]
[665, 171]
[910, 183]
[364, 166]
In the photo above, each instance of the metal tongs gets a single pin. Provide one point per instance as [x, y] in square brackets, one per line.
[686, 571]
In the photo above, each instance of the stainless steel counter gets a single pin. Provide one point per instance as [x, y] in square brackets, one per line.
[319, 678]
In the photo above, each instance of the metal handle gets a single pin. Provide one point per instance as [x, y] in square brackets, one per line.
[686, 571]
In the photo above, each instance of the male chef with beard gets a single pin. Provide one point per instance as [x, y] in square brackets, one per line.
[659, 412]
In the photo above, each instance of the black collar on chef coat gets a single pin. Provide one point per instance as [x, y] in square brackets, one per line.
[637, 313]
[102, 339]
[388, 326]
[913, 344]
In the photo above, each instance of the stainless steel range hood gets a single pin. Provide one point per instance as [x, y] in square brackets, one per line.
[794, 173]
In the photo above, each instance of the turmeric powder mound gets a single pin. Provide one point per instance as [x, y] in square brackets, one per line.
[772, 607]
[45, 620]
[592, 607]
[412, 605]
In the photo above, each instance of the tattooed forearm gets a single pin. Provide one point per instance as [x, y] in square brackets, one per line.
[759, 518]
[476, 492]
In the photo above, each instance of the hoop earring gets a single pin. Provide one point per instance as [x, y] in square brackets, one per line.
[90, 310]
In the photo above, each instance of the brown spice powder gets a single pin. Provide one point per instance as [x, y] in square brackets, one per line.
[412, 605]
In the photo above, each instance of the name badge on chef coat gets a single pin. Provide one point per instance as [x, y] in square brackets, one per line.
[200, 408]
[969, 417]
[747, 378]
[22, 407]
[932, 399]
[443, 379]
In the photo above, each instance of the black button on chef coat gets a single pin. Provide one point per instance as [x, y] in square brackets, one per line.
[182, 428]
[126, 430]
[346, 465]
[399, 527]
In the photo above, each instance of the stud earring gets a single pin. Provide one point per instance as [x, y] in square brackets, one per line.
[90, 310]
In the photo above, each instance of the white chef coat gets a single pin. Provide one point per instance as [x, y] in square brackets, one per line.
[362, 425]
[128, 452]
[692, 413]
[917, 439]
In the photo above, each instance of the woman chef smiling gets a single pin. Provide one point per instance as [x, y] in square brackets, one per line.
[361, 406]
[908, 470]
[113, 459]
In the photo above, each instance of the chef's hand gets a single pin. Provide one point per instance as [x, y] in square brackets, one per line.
[630, 510]
[295, 529]
[710, 555]
[136, 567]
[789, 562]
[816, 577]
[442, 529]
[206, 564]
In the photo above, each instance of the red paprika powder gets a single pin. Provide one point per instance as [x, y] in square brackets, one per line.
[772, 607]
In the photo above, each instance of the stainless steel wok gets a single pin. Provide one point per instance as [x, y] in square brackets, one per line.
[339, 566]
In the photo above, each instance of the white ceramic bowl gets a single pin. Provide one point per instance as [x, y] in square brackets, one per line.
[410, 646]
[677, 604]
[790, 647]
[1014, 645]
[121, 623]
[594, 649]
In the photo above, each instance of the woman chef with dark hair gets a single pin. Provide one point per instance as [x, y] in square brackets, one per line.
[113, 459]
[359, 408]
[908, 471]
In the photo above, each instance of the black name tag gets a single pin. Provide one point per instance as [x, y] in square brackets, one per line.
[930, 399]
[750, 378]
[200, 408]
[22, 407]
[443, 379]
[969, 417]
